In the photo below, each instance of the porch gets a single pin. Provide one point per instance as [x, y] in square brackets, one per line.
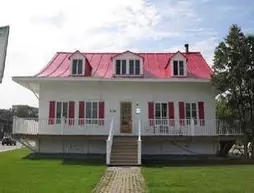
[101, 127]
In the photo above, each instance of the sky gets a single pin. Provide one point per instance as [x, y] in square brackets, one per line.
[40, 28]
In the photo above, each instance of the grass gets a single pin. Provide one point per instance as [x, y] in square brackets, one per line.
[51, 176]
[203, 179]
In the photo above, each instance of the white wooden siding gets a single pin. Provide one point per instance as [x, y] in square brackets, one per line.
[141, 93]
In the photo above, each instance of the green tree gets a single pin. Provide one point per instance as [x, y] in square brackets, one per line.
[232, 76]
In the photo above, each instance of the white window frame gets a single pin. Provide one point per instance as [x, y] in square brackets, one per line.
[128, 67]
[162, 120]
[178, 68]
[58, 119]
[83, 67]
[134, 67]
[188, 120]
[92, 121]
[121, 66]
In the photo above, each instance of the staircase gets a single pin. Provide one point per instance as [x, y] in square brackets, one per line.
[124, 151]
[26, 143]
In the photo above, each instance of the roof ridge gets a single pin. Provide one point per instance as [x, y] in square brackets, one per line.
[64, 52]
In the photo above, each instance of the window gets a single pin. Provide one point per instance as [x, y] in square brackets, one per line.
[61, 111]
[77, 67]
[121, 67]
[92, 112]
[178, 68]
[128, 67]
[191, 112]
[134, 67]
[161, 113]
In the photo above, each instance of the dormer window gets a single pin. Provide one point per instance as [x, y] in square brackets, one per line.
[77, 67]
[121, 67]
[128, 67]
[178, 67]
[134, 67]
[127, 64]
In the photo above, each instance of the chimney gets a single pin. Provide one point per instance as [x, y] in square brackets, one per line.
[186, 48]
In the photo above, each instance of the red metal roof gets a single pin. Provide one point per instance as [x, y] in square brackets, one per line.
[155, 65]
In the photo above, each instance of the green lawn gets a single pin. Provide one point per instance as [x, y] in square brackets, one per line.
[205, 179]
[46, 176]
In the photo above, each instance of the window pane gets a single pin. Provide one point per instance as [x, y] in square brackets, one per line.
[118, 66]
[80, 66]
[175, 67]
[181, 68]
[157, 110]
[188, 115]
[88, 110]
[95, 110]
[74, 66]
[123, 66]
[65, 108]
[194, 114]
[164, 110]
[58, 109]
[187, 106]
[193, 106]
[137, 67]
[131, 66]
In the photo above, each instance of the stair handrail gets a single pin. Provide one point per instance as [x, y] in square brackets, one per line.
[139, 142]
[109, 142]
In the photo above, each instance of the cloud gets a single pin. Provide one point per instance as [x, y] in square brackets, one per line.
[40, 28]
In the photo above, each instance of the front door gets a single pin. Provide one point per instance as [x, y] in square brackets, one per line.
[126, 117]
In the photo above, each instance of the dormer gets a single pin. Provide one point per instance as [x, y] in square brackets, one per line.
[127, 64]
[77, 64]
[178, 65]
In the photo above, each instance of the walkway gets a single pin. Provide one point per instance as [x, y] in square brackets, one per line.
[121, 180]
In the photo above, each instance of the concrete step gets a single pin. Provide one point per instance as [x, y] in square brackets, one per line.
[127, 153]
[124, 147]
[127, 159]
[124, 151]
[123, 163]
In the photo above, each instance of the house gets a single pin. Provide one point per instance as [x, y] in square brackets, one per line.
[124, 106]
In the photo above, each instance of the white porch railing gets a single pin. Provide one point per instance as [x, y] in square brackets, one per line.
[34, 126]
[187, 127]
[109, 142]
[164, 127]
[139, 143]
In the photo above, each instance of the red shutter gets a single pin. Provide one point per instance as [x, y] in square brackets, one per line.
[71, 112]
[81, 115]
[171, 115]
[101, 113]
[52, 112]
[151, 113]
[201, 113]
[181, 113]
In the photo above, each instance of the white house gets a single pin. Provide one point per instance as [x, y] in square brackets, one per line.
[124, 106]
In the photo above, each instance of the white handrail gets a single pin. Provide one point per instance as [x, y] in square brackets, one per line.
[109, 142]
[139, 143]
[139, 130]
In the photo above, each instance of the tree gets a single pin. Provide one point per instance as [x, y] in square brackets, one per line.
[233, 67]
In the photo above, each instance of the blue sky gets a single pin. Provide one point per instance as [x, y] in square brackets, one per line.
[40, 28]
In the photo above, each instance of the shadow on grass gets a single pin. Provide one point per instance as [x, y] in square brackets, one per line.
[194, 161]
[67, 159]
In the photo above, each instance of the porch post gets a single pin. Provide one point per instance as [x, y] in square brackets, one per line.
[192, 127]
[62, 125]
[14, 124]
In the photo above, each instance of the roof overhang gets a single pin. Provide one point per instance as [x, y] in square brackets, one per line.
[32, 82]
